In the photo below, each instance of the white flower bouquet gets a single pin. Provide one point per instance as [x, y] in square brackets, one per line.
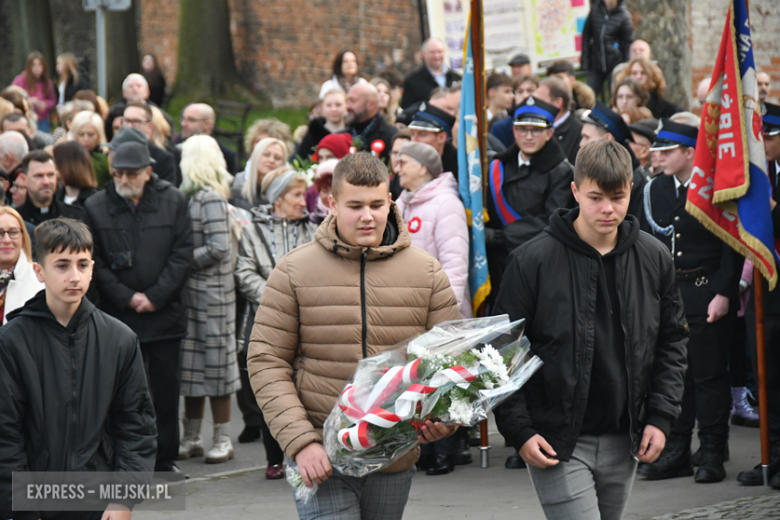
[454, 374]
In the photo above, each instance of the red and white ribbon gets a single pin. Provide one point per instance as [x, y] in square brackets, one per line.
[356, 438]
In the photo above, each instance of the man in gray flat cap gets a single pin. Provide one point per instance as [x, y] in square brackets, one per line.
[143, 252]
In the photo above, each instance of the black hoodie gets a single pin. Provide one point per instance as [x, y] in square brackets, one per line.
[71, 398]
[607, 408]
[560, 286]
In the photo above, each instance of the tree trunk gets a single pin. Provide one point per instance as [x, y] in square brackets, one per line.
[206, 66]
[30, 22]
[122, 56]
[664, 24]
[74, 31]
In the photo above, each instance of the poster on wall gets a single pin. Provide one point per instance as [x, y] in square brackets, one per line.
[545, 30]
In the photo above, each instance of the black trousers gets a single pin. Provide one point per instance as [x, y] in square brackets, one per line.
[253, 416]
[163, 373]
[738, 362]
[596, 79]
[772, 359]
[707, 395]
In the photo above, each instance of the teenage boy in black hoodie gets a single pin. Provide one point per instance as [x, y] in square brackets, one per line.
[73, 394]
[604, 313]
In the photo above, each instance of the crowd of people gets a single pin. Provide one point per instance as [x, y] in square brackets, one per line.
[269, 280]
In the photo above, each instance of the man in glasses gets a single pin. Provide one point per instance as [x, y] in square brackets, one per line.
[138, 115]
[143, 253]
[199, 119]
[527, 183]
[40, 174]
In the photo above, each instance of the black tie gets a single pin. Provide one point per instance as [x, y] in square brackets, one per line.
[682, 191]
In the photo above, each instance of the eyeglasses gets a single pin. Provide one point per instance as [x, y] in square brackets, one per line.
[13, 233]
[130, 174]
[134, 122]
[535, 131]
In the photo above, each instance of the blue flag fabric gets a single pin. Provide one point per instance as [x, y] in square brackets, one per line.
[470, 180]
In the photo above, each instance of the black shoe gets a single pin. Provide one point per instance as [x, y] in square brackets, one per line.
[696, 457]
[424, 462]
[250, 434]
[462, 455]
[674, 461]
[441, 465]
[775, 481]
[515, 462]
[755, 476]
[712, 455]
[170, 468]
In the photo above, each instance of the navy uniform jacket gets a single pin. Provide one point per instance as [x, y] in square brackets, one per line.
[694, 247]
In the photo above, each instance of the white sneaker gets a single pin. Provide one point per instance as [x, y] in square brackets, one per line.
[191, 444]
[222, 450]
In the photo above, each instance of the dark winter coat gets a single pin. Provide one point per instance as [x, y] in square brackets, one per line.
[165, 166]
[316, 132]
[534, 193]
[569, 134]
[553, 283]
[381, 130]
[606, 37]
[148, 250]
[419, 84]
[660, 107]
[32, 214]
[73, 398]
[72, 86]
[84, 194]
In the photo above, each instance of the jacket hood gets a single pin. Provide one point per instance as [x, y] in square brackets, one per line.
[36, 307]
[443, 184]
[395, 238]
[561, 227]
[262, 214]
[550, 156]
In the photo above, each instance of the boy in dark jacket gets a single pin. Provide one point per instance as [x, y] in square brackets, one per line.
[73, 394]
[604, 313]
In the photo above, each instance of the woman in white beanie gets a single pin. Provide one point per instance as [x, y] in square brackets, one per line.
[435, 216]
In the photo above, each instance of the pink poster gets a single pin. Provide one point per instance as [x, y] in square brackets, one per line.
[578, 42]
[577, 3]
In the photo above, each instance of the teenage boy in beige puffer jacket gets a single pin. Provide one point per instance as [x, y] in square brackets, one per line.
[356, 291]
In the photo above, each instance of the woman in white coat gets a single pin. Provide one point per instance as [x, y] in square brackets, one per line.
[18, 282]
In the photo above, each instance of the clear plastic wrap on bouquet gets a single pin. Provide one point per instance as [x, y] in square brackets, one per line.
[454, 374]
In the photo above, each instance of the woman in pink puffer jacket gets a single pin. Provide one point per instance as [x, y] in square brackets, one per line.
[435, 216]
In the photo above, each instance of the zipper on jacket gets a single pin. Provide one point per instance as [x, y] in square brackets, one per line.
[284, 236]
[73, 399]
[363, 312]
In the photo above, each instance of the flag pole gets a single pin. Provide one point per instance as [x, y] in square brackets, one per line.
[763, 408]
[763, 412]
[479, 98]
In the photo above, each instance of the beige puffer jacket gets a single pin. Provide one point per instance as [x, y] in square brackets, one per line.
[326, 306]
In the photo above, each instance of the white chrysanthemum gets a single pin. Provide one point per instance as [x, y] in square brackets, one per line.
[493, 362]
[460, 411]
[416, 350]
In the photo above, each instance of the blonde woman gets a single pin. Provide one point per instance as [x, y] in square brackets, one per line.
[162, 130]
[18, 282]
[388, 104]
[268, 155]
[277, 228]
[70, 80]
[208, 352]
[650, 76]
[88, 129]
[333, 120]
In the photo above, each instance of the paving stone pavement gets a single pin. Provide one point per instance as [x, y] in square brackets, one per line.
[762, 507]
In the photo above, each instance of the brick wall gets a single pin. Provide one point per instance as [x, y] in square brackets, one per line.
[707, 20]
[286, 48]
[159, 33]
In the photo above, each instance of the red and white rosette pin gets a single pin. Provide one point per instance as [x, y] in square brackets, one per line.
[414, 225]
[377, 147]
